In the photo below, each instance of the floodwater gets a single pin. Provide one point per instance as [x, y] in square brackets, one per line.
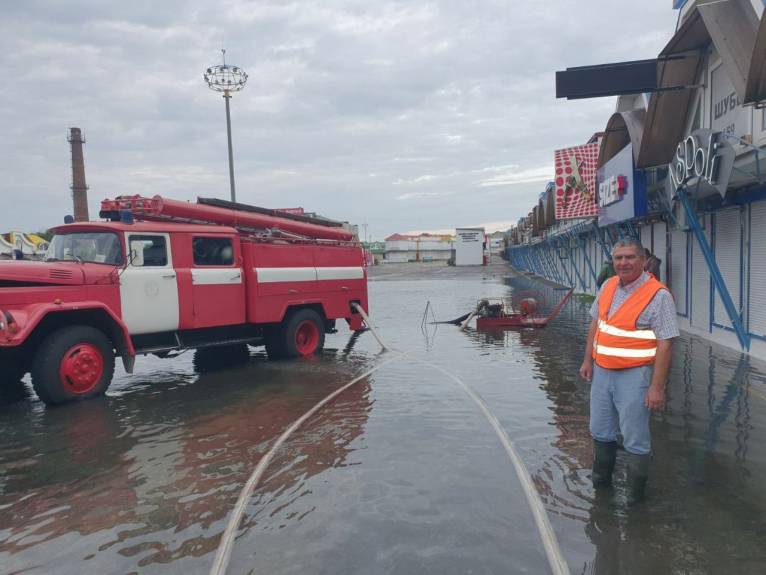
[402, 473]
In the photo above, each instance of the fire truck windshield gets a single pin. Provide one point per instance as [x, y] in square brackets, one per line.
[98, 248]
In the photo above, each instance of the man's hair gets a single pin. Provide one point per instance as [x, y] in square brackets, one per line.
[629, 243]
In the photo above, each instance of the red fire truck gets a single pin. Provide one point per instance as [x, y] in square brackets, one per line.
[161, 276]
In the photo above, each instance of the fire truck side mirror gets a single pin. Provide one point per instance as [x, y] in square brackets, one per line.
[137, 253]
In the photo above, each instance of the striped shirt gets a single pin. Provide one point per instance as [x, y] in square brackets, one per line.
[659, 315]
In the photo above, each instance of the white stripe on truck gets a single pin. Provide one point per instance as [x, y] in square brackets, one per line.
[340, 273]
[274, 275]
[216, 276]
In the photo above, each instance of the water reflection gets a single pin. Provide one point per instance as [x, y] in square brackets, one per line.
[702, 483]
[144, 482]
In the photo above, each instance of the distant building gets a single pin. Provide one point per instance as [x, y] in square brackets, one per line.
[469, 246]
[30, 245]
[496, 242]
[377, 251]
[402, 248]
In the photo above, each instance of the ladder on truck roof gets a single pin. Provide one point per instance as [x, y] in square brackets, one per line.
[211, 211]
[269, 212]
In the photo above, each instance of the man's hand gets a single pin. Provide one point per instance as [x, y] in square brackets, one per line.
[586, 369]
[655, 398]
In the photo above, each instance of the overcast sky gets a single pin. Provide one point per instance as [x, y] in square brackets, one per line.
[402, 115]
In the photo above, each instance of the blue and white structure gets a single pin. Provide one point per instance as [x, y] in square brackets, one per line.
[682, 166]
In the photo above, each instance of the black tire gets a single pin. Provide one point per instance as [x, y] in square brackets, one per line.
[63, 349]
[12, 370]
[12, 391]
[207, 359]
[287, 340]
[273, 342]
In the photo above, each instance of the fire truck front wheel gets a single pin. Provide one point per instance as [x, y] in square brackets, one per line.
[300, 334]
[12, 370]
[73, 363]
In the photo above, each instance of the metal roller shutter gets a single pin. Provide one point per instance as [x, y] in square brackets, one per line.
[659, 248]
[678, 265]
[757, 280]
[646, 236]
[700, 282]
[727, 256]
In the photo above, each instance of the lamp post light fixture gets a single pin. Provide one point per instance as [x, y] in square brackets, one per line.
[227, 79]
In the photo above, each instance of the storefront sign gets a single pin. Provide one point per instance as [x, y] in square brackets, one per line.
[726, 112]
[576, 181]
[621, 190]
[612, 190]
[703, 160]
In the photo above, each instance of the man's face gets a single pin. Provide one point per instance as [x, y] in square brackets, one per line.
[628, 263]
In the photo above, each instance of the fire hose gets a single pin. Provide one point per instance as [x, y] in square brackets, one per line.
[556, 560]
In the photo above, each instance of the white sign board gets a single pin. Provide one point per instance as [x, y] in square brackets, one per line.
[726, 112]
[469, 246]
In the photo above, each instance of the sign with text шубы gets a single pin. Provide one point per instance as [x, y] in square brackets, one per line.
[576, 182]
[726, 112]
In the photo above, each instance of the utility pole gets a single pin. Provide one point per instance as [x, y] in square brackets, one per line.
[227, 79]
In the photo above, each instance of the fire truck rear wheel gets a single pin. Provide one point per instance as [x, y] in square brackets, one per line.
[300, 334]
[73, 363]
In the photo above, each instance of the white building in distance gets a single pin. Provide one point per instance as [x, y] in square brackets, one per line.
[401, 248]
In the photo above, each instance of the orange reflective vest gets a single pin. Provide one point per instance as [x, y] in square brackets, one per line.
[619, 344]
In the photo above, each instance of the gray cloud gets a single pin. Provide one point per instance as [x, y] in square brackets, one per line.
[402, 115]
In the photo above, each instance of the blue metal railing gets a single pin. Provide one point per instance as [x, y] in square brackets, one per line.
[584, 248]
[723, 291]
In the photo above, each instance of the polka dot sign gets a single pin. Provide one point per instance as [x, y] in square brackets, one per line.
[576, 182]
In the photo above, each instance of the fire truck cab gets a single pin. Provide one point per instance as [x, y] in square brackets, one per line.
[161, 276]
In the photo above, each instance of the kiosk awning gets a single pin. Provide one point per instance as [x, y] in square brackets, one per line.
[622, 129]
[731, 27]
[755, 91]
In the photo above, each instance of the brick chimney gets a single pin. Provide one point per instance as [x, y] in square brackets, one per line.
[79, 189]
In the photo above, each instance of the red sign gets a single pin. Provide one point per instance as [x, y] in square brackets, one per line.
[576, 182]
[293, 211]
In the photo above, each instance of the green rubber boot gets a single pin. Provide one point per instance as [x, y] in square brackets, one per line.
[637, 476]
[604, 458]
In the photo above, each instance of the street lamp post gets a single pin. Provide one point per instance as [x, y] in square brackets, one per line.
[227, 79]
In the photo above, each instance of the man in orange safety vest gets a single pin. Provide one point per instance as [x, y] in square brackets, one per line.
[627, 358]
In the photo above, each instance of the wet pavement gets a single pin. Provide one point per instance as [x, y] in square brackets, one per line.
[402, 473]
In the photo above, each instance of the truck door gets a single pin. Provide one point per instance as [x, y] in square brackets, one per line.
[148, 285]
[217, 283]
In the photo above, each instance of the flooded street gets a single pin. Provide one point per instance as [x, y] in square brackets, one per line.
[402, 473]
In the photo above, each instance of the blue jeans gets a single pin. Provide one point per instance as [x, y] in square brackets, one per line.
[617, 406]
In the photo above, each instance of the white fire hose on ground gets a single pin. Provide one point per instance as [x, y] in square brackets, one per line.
[556, 560]
[367, 321]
